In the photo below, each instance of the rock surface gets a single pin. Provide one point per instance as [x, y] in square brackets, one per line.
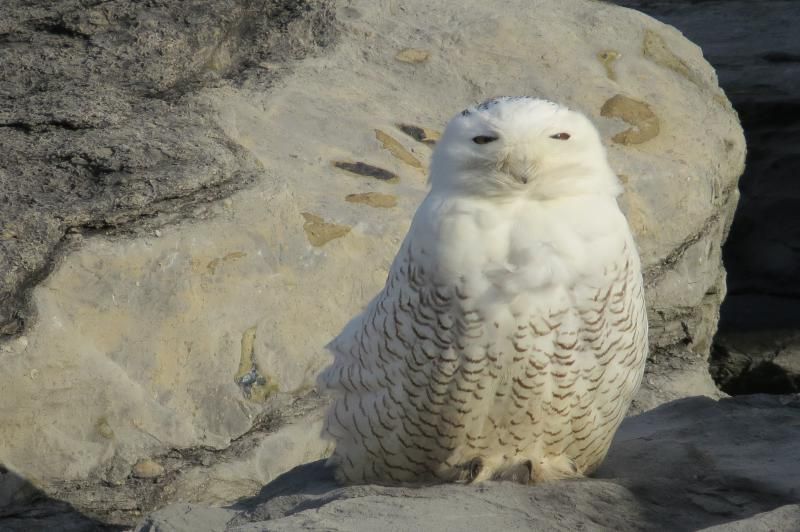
[757, 57]
[757, 361]
[186, 343]
[693, 464]
[95, 126]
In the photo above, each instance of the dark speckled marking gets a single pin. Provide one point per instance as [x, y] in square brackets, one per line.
[491, 102]
[366, 170]
[418, 133]
[494, 101]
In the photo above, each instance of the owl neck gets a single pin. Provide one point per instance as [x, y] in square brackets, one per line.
[543, 185]
[570, 181]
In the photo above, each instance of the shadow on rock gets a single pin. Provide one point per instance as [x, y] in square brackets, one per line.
[23, 507]
[304, 487]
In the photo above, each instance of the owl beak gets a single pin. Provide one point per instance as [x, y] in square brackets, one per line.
[519, 170]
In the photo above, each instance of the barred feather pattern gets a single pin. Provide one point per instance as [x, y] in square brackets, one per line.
[428, 388]
[511, 334]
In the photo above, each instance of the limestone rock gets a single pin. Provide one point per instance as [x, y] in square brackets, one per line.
[693, 464]
[757, 361]
[96, 129]
[757, 56]
[186, 345]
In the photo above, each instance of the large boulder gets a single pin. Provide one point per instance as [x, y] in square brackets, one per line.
[693, 464]
[756, 56]
[177, 361]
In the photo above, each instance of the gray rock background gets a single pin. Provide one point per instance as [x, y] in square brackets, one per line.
[95, 130]
[756, 53]
[162, 342]
[693, 464]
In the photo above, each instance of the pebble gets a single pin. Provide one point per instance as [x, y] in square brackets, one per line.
[147, 468]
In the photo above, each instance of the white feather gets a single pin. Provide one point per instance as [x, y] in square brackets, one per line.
[511, 330]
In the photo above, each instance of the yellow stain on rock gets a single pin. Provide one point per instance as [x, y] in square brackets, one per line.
[103, 428]
[248, 348]
[655, 49]
[608, 57]
[213, 264]
[638, 114]
[412, 55]
[257, 387]
[319, 232]
[398, 150]
[373, 199]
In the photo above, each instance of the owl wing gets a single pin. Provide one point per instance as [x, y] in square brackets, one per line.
[575, 359]
[398, 400]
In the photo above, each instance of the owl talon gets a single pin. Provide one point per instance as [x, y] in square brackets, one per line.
[473, 469]
[521, 473]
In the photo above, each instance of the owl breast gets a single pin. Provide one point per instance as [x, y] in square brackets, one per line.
[507, 342]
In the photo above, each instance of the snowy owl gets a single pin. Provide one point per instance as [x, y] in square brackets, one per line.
[511, 334]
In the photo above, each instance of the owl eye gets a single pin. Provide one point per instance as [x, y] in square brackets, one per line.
[560, 136]
[482, 139]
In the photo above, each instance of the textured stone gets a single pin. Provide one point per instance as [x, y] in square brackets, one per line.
[747, 362]
[96, 126]
[757, 56]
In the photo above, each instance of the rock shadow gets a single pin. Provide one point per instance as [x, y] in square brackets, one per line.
[24, 507]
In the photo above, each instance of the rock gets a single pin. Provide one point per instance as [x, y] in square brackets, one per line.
[757, 58]
[693, 464]
[397, 149]
[97, 125]
[193, 346]
[24, 508]
[147, 468]
[757, 362]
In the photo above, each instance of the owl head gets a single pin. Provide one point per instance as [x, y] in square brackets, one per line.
[520, 146]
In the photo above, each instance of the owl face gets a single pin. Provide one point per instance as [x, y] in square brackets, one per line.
[519, 146]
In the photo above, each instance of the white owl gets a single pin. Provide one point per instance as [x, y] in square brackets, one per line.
[511, 334]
